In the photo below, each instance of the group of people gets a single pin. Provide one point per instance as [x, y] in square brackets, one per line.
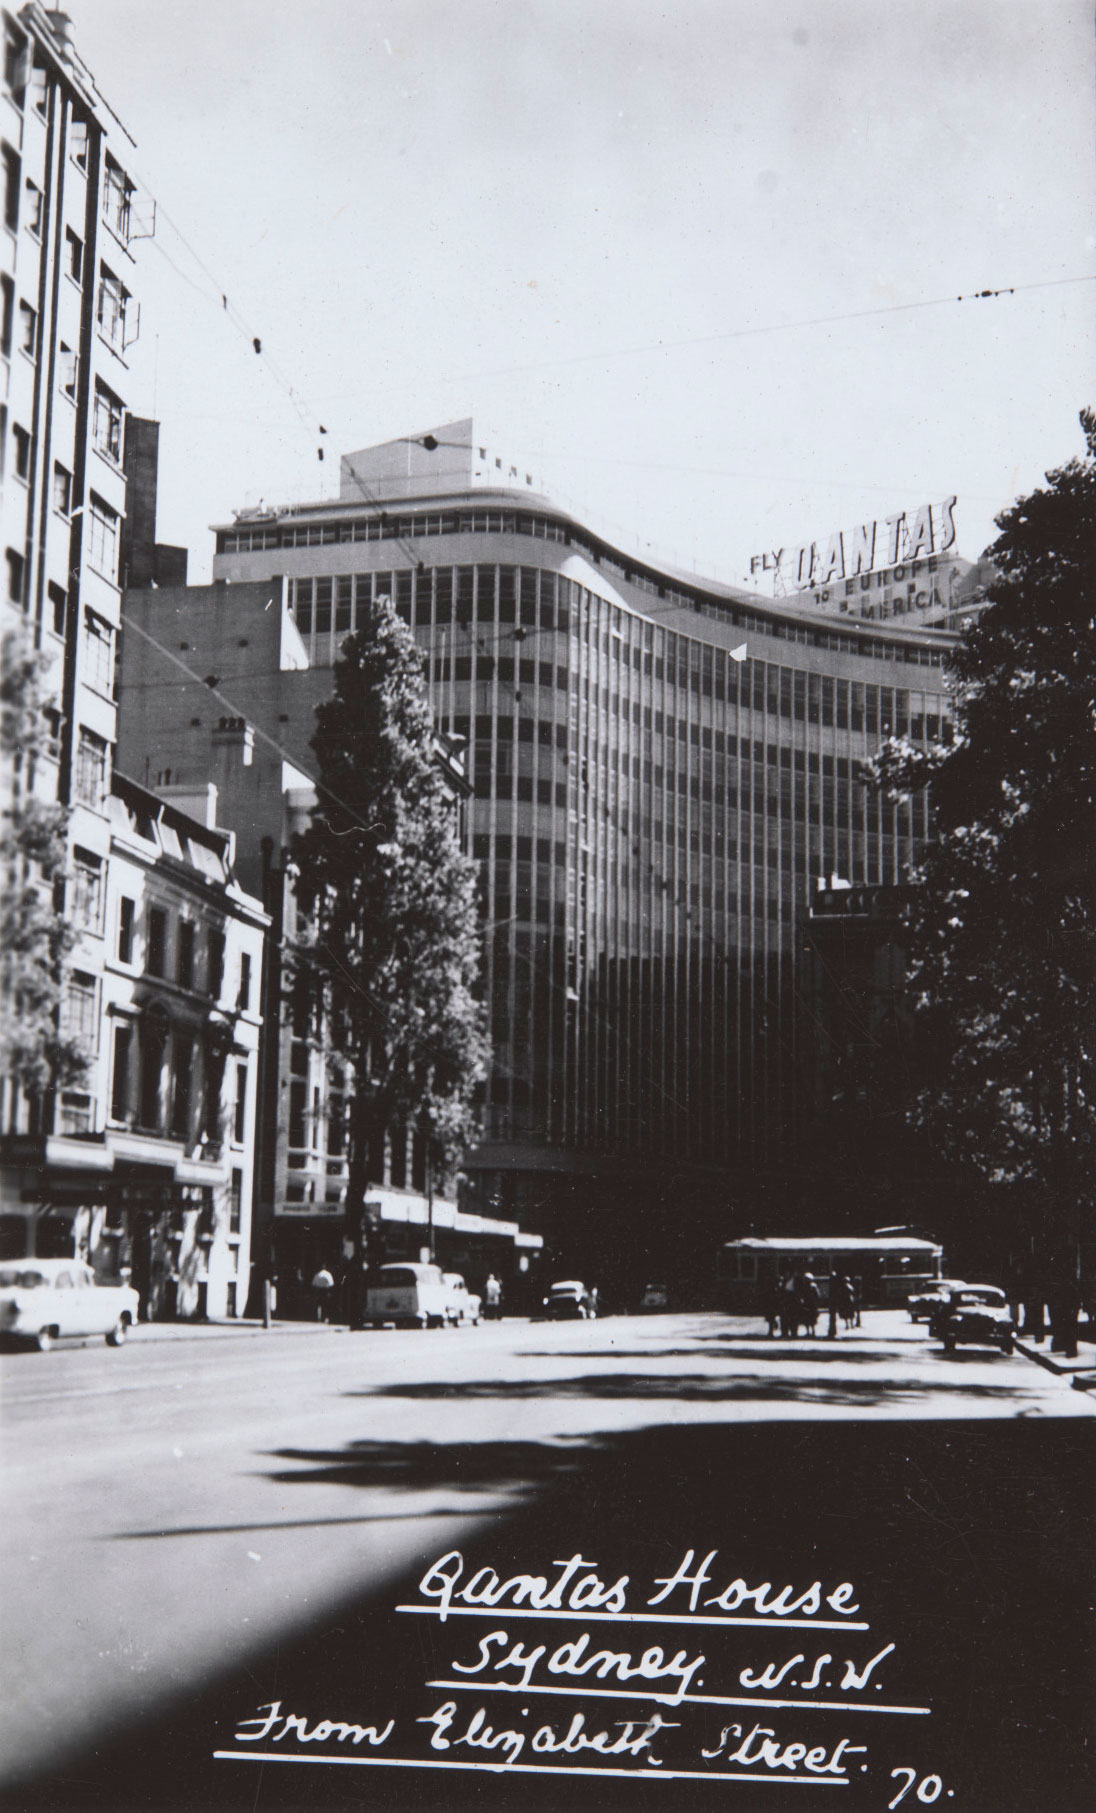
[793, 1304]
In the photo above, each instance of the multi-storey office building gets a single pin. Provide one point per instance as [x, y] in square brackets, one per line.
[664, 769]
[174, 732]
[67, 319]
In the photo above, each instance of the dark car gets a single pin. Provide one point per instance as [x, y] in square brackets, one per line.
[978, 1316]
[569, 1300]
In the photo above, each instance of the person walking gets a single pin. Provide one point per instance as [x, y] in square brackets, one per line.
[323, 1286]
[492, 1292]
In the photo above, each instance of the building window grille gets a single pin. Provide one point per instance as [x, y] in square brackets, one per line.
[113, 310]
[79, 1018]
[117, 200]
[87, 891]
[98, 653]
[107, 423]
[91, 769]
[103, 539]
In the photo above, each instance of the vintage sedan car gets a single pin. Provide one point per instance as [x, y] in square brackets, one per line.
[979, 1316]
[43, 1300]
[463, 1304]
[569, 1299]
[923, 1304]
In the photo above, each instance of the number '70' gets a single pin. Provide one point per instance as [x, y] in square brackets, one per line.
[928, 1789]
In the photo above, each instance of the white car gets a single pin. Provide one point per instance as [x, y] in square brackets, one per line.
[407, 1295]
[42, 1300]
[464, 1305]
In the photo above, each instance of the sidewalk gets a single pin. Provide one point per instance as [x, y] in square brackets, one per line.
[1081, 1371]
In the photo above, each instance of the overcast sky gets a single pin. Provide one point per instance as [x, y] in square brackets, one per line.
[616, 233]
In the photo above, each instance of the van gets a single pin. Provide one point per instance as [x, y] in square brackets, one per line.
[411, 1295]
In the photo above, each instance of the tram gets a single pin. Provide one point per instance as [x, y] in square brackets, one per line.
[885, 1267]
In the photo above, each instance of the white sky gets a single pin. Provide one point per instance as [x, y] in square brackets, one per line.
[570, 218]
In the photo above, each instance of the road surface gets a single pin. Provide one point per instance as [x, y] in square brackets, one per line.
[172, 1510]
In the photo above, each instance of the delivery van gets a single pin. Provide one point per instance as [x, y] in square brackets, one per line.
[409, 1295]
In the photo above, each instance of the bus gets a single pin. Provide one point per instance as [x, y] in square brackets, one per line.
[885, 1267]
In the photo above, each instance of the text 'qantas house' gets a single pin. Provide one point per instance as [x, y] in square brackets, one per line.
[664, 769]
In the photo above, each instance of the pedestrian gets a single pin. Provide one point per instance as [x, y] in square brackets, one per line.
[844, 1300]
[492, 1292]
[323, 1285]
[809, 1300]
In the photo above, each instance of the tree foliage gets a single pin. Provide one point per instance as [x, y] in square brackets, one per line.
[1003, 931]
[388, 900]
[34, 938]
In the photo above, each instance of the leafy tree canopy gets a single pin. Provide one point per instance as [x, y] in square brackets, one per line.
[388, 898]
[34, 939]
[1003, 934]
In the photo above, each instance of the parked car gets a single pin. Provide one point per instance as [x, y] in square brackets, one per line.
[988, 1293]
[569, 1299]
[463, 1305]
[979, 1316]
[656, 1296]
[43, 1300]
[410, 1295]
[924, 1303]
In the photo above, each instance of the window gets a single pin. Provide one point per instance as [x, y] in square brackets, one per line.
[62, 489]
[98, 653]
[75, 1118]
[114, 300]
[119, 1079]
[16, 64]
[91, 769]
[216, 953]
[152, 1060]
[58, 602]
[16, 567]
[127, 910]
[236, 1202]
[34, 209]
[28, 329]
[103, 538]
[21, 438]
[117, 199]
[68, 369]
[184, 969]
[107, 423]
[78, 1019]
[184, 1086]
[74, 255]
[243, 999]
[78, 142]
[87, 891]
[239, 1117]
[156, 941]
[7, 326]
[11, 188]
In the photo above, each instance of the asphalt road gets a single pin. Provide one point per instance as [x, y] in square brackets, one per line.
[173, 1511]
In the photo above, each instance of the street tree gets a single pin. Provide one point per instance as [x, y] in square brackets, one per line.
[1002, 975]
[387, 905]
[35, 940]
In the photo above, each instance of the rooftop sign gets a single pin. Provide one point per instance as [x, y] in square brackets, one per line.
[871, 546]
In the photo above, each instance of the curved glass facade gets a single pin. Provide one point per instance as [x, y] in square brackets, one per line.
[663, 772]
